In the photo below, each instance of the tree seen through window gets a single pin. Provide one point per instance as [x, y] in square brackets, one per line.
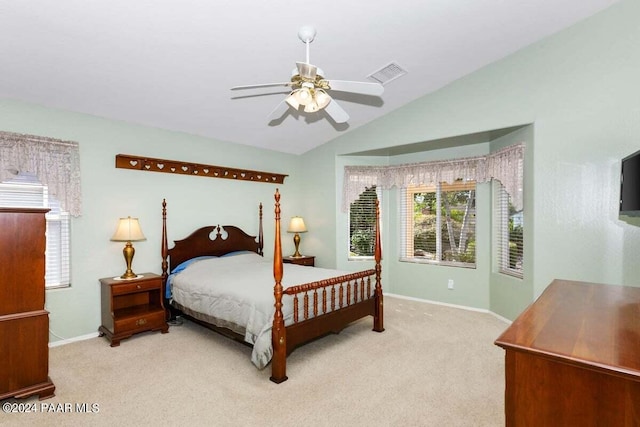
[362, 224]
[439, 223]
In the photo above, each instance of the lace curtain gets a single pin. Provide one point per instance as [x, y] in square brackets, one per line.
[506, 165]
[56, 163]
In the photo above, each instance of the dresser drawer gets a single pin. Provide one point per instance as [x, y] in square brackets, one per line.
[138, 286]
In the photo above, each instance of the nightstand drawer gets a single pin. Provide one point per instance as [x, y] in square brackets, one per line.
[308, 261]
[141, 321]
[305, 260]
[138, 286]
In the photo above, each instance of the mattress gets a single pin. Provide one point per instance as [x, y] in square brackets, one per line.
[236, 292]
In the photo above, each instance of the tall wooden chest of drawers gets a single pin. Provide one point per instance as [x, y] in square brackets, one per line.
[24, 323]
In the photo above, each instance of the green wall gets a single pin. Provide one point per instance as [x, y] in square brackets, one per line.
[109, 193]
[509, 295]
[579, 90]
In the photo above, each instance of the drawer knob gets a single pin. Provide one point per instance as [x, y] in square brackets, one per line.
[141, 322]
[138, 286]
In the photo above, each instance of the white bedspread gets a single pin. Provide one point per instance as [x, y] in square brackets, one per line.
[238, 290]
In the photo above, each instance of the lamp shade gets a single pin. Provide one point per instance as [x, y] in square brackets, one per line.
[296, 225]
[128, 231]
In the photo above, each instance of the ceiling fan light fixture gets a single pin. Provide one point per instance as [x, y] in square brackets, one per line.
[303, 96]
[310, 89]
[322, 98]
[311, 108]
[292, 100]
[319, 100]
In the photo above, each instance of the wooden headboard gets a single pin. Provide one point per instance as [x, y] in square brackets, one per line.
[203, 242]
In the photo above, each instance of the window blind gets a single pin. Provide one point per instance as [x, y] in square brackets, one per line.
[439, 223]
[362, 224]
[508, 226]
[58, 246]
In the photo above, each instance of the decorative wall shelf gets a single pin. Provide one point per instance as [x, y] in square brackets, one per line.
[128, 161]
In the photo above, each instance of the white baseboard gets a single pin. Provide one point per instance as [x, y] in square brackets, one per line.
[504, 319]
[461, 307]
[70, 340]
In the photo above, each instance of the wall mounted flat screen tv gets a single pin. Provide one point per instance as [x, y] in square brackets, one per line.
[630, 185]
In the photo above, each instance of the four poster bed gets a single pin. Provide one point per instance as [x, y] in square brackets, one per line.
[225, 284]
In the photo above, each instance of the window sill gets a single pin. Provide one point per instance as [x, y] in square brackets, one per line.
[514, 274]
[51, 287]
[441, 263]
[361, 258]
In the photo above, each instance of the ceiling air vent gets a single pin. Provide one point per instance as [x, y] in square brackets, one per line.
[387, 73]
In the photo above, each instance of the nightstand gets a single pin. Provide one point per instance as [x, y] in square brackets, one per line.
[132, 306]
[309, 261]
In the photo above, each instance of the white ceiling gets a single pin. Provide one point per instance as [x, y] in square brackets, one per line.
[170, 63]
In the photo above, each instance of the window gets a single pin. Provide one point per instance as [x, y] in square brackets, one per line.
[509, 226]
[26, 191]
[439, 224]
[58, 246]
[362, 224]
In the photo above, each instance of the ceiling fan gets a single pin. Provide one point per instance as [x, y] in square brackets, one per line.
[309, 87]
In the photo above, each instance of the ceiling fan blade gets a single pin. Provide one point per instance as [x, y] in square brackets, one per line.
[261, 85]
[279, 111]
[364, 88]
[336, 112]
[307, 71]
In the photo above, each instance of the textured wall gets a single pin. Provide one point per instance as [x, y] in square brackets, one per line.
[579, 91]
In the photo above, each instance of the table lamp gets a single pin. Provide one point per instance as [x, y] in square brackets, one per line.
[128, 231]
[296, 225]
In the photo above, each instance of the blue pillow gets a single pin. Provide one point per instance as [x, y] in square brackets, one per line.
[188, 262]
[237, 253]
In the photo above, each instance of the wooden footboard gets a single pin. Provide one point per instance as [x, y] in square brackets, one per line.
[327, 305]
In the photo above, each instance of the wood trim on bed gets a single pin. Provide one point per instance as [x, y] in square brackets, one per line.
[378, 318]
[327, 320]
[278, 332]
[203, 242]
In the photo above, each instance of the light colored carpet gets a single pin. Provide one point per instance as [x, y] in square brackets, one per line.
[433, 366]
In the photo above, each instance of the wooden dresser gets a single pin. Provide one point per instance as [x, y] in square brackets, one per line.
[24, 323]
[573, 358]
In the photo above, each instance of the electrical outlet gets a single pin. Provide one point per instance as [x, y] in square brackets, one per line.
[450, 284]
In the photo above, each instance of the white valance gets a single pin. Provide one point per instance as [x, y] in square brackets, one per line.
[506, 165]
[56, 163]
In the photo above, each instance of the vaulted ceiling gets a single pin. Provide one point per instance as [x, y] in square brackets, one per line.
[170, 64]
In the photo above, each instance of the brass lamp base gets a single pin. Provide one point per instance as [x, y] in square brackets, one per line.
[128, 253]
[296, 241]
[128, 275]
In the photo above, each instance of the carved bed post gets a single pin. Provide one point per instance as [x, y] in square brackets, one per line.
[260, 234]
[278, 332]
[165, 247]
[165, 254]
[378, 319]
